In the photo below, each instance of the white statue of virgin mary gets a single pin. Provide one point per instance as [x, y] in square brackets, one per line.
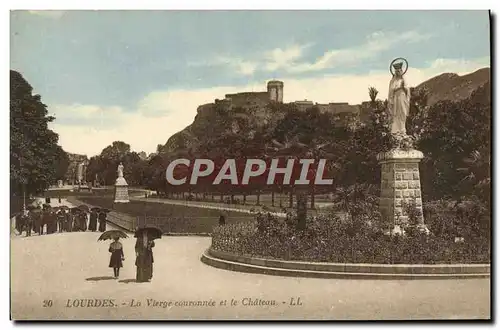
[398, 101]
[120, 170]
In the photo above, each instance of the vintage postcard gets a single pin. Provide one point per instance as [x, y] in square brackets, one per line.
[250, 165]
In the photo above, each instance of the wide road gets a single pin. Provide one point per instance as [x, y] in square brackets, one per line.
[59, 270]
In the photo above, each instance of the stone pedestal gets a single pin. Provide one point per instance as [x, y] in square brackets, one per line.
[400, 184]
[121, 191]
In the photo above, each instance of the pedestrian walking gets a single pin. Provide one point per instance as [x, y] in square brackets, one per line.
[144, 258]
[28, 224]
[117, 256]
[144, 252]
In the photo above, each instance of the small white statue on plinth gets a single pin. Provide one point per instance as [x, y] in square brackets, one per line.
[121, 187]
[120, 170]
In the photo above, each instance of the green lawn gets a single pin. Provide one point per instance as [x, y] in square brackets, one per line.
[171, 218]
[280, 200]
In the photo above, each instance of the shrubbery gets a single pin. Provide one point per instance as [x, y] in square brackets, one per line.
[357, 240]
[470, 219]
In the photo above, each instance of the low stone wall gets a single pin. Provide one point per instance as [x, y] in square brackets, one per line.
[123, 221]
[129, 223]
[339, 270]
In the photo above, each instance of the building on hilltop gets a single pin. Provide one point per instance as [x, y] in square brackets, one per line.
[339, 107]
[248, 99]
[275, 90]
[303, 105]
[275, 94]
[336, 108]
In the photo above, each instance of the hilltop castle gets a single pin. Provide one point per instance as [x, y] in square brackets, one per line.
[274, 93]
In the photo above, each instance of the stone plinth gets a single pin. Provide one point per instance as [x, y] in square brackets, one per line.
[121, 191]
[400, 184]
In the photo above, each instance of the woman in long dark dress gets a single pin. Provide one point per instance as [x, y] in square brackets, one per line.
[51, 222]
[68, 222]
[102, 222]
[61, 216]
[144, 258]
[75, 221]
[93, 220]
[83, 221]
[117, 256]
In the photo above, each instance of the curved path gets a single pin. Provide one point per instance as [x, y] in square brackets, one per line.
[68, 267]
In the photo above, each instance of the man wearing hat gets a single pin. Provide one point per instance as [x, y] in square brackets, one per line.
[28, 223]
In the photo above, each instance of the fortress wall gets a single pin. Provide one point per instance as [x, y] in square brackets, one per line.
[248, 98]
[338, 108]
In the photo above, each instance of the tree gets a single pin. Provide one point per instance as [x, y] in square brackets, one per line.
[62, 163]
[95, 169]
[134, 169]
[116, 151]
[36, 161]
[105, 165]
[418, 111]
[304, 134]
[477, 174]
[154, 173]
[452, 135]
[356, 149]
[373, 92]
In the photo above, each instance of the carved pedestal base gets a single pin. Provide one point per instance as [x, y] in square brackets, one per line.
[121, 191]
[400, 184]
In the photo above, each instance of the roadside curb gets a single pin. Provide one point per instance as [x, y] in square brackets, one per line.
[245, 264]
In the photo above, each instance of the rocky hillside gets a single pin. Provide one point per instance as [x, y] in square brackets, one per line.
[217, 119]
[452, 87]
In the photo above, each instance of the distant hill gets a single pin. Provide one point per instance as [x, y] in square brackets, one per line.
[452, 87]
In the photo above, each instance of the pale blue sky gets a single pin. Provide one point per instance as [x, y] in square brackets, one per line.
[116, 59]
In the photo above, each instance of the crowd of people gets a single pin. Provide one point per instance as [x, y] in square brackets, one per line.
[49, 220]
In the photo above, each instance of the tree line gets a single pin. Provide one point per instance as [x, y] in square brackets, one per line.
[36, 159]
[455, 138]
